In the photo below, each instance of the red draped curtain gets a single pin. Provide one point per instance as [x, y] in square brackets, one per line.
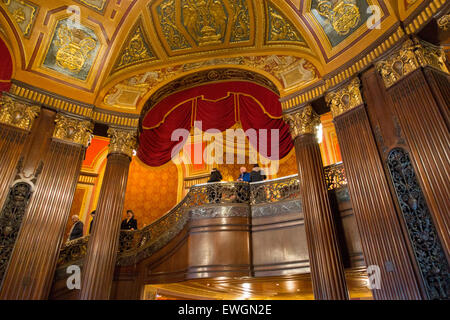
[218, 106]
[6, 67]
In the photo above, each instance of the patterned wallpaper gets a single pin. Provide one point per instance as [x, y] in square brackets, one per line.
[151, 192]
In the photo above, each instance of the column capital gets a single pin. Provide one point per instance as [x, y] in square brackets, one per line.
[444, 22]
[73, 130]
[304, 121]
[412, 55]
[122, 141]
[17, 114]
[345, 98]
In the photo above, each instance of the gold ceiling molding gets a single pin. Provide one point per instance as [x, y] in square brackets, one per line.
[17, 114]
[279, 28]
[290, 71]
[310, 94]
[424, 16]
[303, 122]
[411, 56]
[96, 5]
[122, 141]
[137, 49]
[345, 99]
[23, 13]
[73, 130]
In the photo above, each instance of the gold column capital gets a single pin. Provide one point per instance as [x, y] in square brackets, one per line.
[303, 122]
[411, 56]
[122, 141]
[17, 114]
[73, 130]
[444, 22]
[345, 99]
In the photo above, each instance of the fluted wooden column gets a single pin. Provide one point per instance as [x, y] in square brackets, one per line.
[33, 261]
[327, 269]
[16, 120]
[423, 117]
[98, 270]
[383, 241]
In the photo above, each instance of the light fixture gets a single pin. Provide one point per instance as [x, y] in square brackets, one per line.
[319, 133]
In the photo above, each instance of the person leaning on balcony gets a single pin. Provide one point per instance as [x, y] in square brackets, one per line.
[257, 174]
[130, 223]
[77, 229]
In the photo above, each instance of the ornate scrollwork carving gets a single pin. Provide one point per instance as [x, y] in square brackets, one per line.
[73, 130]
[73, 251]
[122, 141]
[422, 232]
[335, 176]
[303, 122]
[411, 56]
[345, 99]
[444, 22]
[275, 191]
[279, 28]
[343, 15]
[17, 114]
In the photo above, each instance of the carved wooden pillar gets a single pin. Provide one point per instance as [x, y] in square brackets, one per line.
[98, 270]
[383, 241]
[32, 265]
[327, 269]
[416, 84]
[16, 120]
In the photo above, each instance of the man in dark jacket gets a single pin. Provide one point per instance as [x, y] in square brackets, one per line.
[77, 228]
[257, 174]
[92, 222]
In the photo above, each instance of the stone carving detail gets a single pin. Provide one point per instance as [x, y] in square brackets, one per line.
[345, 99]
[303, 122]
[17, 114]
[279, 28]
[136, 50]
[422, 232]
[122, 141]
[411, 56]
[73, 130]
[13, 212]
[241, 21]
[343, 15]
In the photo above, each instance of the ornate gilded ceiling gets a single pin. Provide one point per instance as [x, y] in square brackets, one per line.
[115, 53]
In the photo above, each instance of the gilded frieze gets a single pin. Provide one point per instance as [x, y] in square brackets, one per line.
[340, 18]
[279, 28]
[73, 50]
[73, 130]
[136, 49]
[345, 99]
[303, 122]
[167, 17]
[205, 20]
[17, 114]
[23, 13]
[411, 56]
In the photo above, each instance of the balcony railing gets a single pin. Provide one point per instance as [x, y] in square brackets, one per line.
[137, 245]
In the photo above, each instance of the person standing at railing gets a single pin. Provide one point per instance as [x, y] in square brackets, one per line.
[77, 229]
[257, 174]
[92, 221]
[244, 176]
[130, 223]
[213, 196]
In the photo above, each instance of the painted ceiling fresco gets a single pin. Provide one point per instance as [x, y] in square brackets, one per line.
[115, 54]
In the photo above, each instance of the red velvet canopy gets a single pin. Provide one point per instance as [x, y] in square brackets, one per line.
[218, 106]
[6, 67]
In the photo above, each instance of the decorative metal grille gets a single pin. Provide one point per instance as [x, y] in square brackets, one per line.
[422, 232]
[335, 176]
[275, 190]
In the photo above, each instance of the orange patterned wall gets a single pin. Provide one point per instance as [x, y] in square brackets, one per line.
[151, 192]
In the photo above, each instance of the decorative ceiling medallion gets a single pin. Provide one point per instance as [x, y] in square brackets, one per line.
[136, 49]
[205, 20]
[167, 18]
[73, 50]
[279, 28]
[340, 18]
[23, 13]
[241, 21]
[97, 5]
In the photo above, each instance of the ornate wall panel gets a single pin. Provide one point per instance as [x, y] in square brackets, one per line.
[279, 28]
[23, 13]
[96, 5]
